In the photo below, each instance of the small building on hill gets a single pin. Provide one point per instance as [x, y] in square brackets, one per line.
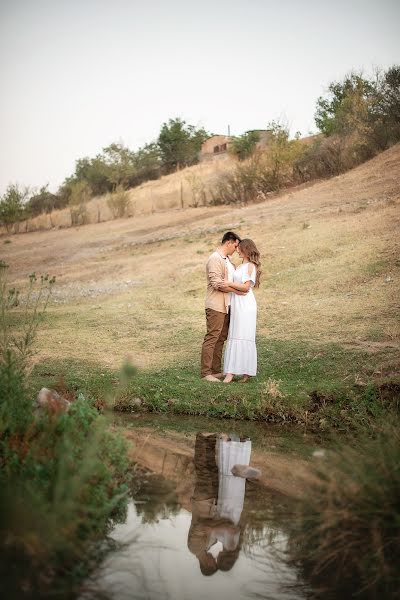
[214, 147]
[217, 146]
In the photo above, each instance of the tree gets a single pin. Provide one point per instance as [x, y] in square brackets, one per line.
[44, 202]
[179, 144]
[281, 154]
[95, 172]
[243, 146]
[348, 106]
[12, 208]
[148, 162]
[387, 108]
[364, 113]
[120, 163]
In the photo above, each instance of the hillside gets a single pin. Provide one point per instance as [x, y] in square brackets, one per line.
[330, 260]
[182, 189]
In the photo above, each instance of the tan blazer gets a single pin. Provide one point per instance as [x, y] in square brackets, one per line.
[218, 268]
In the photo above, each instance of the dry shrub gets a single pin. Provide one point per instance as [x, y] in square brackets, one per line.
[118, 202]
[198, 189]
[271, 389]
[330, 156]
[79, 215]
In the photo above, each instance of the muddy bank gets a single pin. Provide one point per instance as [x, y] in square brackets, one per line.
[171, 454]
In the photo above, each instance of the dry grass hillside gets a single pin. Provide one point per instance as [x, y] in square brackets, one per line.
[189, 187]
[331, 272]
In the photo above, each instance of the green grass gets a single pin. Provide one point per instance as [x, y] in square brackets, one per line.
[324, 386]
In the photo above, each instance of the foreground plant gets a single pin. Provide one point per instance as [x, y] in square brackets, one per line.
[348, 536]
[63, 476]
[20, 315]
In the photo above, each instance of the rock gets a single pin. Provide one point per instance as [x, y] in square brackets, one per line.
[319, 454]
[136, 402]
[245, 471]
[52, 400]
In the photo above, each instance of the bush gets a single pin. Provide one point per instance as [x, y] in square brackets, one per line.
[243, 146]
[348, 539]
[63, 477]
[118, 202]
[264, 173]
[325, 157]
[360, 117]
[12, 206]
[44, 202]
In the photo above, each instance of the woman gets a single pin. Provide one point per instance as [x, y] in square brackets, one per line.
[240, 350]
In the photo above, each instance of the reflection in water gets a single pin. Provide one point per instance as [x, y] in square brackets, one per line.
[217, 501]
[200, 532]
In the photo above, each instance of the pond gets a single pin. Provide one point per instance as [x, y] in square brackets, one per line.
[193, 529]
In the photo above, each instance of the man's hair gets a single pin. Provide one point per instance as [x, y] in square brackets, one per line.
[230, 236]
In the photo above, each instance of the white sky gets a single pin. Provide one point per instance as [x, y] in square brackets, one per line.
[77, 75]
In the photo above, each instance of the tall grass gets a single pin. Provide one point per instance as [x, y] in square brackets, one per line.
[347, 540]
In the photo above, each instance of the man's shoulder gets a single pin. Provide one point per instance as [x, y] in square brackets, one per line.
[215, 256]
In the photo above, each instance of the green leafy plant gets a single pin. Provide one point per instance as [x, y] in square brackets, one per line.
[28, 309]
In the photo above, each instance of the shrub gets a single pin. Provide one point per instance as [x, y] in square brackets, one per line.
[28, 310]
[243, 146]
[63, 477]
[118, 202]
[348, 537]
[265, 172]
[12, 207]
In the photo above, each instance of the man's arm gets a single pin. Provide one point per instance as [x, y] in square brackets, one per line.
[216, 273]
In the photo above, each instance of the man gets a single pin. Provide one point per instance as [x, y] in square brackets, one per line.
[218, 269]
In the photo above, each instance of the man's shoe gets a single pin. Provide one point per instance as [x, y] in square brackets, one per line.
[211, 378]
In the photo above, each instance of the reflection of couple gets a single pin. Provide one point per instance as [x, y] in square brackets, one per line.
[231, 311]
[217, 501]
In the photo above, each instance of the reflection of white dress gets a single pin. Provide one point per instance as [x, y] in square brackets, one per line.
[240, 350]
[231, 489]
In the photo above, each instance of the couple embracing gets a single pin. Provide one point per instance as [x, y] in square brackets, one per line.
[231, 311]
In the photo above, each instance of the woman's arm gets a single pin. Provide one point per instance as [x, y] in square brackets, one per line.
[229, 288]
[236, 287]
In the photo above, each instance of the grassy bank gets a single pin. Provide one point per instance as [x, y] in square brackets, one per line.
[321, 386]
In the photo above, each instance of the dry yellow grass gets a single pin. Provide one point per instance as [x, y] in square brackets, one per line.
[330, 263]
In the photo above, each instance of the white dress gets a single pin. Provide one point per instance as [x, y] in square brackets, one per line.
[231, 489]
[240, 351]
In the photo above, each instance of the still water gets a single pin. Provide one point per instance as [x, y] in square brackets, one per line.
[195, 531]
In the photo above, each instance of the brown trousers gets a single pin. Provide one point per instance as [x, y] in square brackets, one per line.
[217, 332]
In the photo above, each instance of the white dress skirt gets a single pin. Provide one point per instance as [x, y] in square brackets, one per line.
[240, 356]
[231, 489]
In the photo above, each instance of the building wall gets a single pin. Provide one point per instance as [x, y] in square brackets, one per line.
[214, 147]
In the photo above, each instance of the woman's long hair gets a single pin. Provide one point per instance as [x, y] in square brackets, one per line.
[250, 251]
